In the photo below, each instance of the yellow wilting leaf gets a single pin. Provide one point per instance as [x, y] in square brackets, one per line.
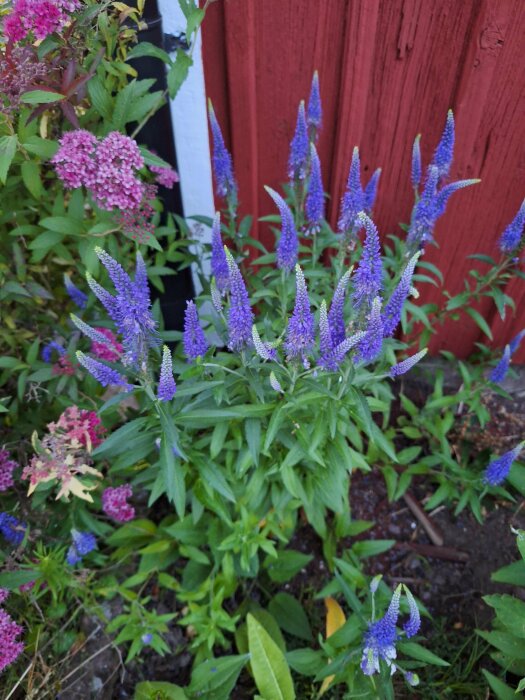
[335, 619]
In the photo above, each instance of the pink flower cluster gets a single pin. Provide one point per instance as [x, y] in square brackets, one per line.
[107, 168]
[137, 223]
[19, 68]
[78, 427]
[10, 648]
[42, 17]
[114, 503]
[166, 177]
[4, 595]
[110, 353]
[7, 467]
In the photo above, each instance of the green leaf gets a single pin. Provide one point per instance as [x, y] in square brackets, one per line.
[118, 441]
[146, 48]
[510, 612]
[194, 21]
[13, 579]
[40, 97]
[513, 574]
[62, 224]
[252, 428]
[153, 690]
[288, 563]
[371, 548]
[270, 669]
[8, 146]
[48, 239]
[500, 689]
[178, 72]
[31, 177]
[214, 679]
[100, 97]
[173, 476]
[480, 321]
[43, 148]
[307, 662]
[416, 651]
[290, 616]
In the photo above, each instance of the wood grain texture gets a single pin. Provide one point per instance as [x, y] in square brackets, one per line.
[389, 69]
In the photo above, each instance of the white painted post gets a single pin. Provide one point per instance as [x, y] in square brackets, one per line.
[190, 126]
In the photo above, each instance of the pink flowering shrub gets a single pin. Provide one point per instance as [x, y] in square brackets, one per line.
[114, 503]
[108, 169]
[39, 17]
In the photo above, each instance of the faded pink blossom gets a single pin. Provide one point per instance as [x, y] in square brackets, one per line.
[63, 453]
[166, 177]
[137, 223]
[63, 366]
[7, 467]
[112, 352]
[10, 649]
[4, 595]
[114, 503]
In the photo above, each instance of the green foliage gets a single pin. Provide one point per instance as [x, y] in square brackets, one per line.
[507, 636]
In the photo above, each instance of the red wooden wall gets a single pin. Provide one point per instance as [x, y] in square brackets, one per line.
[389, 69]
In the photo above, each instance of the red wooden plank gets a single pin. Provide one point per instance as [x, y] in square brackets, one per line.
[388, 70]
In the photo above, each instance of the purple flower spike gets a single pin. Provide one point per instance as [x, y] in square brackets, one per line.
[511, 238]
[314, 205]
[288, 242]
[274, 383]
[12, 529]
[130, 308]
[424, 214]
[314, 113]
[225, 184]
[336, 313]
[499, 372]
[47, 350]
[392, 312]
[82, 543]
[75, 293]
[442, 159]
[381, 637]
[300, 335]
[516, 341]
[102, 373]
[264, 350]
[444, 195]
[240, 316]
[167, 387]
[372, 342]
[368, 278]
[353, 201]
[299, 148]
[498, 469]
[416, 162]
[219, 264]
[406, 365]
[325, 335]
[370, 192]
[414, 623]
[89, 332]
[195, 343]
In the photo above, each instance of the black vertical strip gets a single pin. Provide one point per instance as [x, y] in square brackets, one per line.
[157, 135]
